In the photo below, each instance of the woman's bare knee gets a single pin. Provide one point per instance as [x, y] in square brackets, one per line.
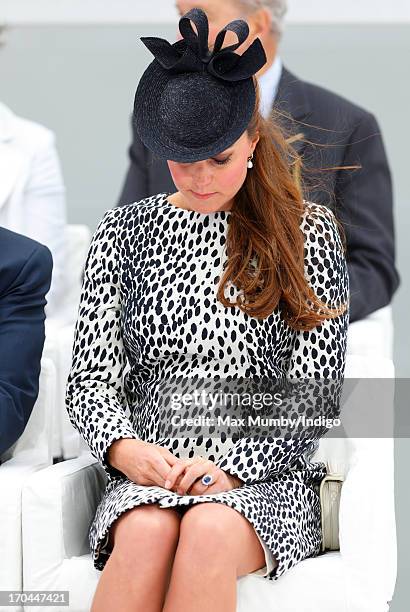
[208, 527]
[211, 527]
[143, 527]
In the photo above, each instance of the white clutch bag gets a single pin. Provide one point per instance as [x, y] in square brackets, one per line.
[330, 492]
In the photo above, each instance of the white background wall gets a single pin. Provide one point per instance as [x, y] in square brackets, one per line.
[145, 11]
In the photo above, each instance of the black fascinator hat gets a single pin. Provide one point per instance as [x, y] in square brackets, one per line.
[191, 102]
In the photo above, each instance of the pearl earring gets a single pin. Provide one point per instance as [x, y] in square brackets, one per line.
[250, 163]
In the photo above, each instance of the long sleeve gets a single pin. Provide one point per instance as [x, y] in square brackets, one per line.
[365, 206]
[24, 285]
[45, 213]
[95, 399]
[314, 378]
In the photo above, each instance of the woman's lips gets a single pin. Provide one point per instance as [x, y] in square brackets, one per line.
[203, 196]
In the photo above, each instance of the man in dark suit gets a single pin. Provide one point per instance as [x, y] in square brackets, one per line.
[330, 132]
[25, 277]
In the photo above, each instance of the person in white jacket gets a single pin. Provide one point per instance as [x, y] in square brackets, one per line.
[32, 193]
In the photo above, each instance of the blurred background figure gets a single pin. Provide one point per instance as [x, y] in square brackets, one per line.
[25, 277]
[328, 132]
[32, 193]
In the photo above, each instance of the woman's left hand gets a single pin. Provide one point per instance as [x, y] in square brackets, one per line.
[185, 477]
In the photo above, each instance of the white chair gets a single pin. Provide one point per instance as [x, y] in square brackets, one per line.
[60, 502]
[58, 343]
[31, 452]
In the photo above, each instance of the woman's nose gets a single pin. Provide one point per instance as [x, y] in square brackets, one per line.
[201, 183]
[202, 176]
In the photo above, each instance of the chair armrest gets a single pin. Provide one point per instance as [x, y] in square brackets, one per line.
[367, 530]
[59, 504]
[30, 453]
[13, 474]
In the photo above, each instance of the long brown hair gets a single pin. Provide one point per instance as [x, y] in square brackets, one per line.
[265, 225]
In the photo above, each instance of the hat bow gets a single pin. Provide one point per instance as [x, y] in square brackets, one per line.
[191, 54]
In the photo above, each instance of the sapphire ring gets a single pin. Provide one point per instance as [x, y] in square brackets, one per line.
[207, 479]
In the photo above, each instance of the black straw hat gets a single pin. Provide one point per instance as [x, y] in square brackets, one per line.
[192, 103]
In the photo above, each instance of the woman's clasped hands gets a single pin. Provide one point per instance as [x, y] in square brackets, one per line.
[152, 465]
[186, 474]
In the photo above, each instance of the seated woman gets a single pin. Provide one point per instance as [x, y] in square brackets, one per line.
[234, 275]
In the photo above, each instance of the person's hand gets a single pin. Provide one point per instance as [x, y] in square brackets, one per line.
[142, 462]
[184, 477]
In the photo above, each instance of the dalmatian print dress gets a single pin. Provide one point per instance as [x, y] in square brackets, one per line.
[148, 310]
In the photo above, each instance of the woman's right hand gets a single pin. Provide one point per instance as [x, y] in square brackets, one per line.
[142, 462]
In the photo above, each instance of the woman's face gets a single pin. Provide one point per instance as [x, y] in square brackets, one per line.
[219, 177]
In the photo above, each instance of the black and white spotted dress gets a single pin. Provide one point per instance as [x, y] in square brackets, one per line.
[148, 309]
